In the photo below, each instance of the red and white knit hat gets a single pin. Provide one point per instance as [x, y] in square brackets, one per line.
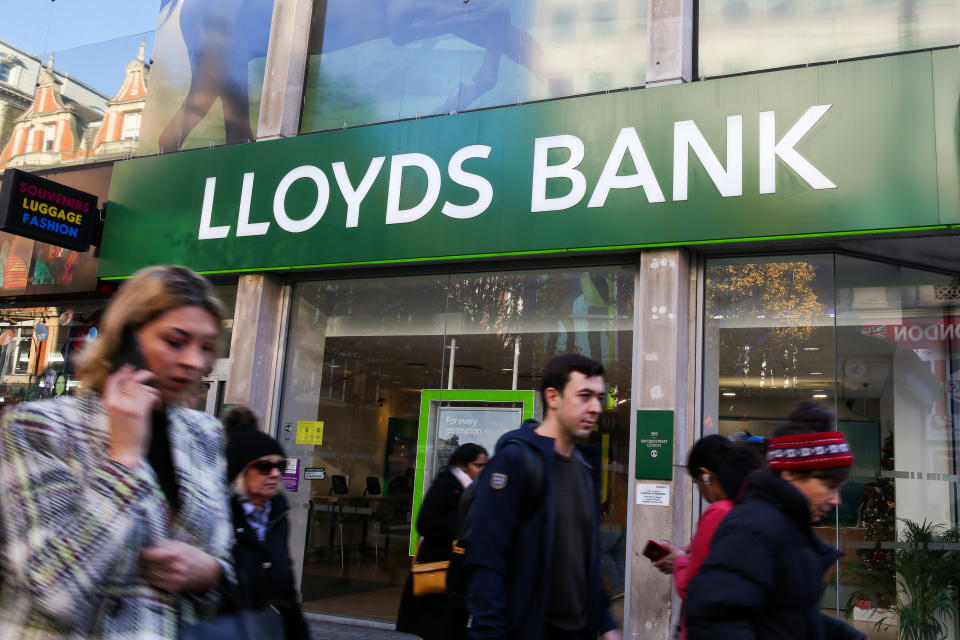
[823, 450]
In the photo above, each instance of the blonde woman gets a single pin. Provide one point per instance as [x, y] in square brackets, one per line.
[113, 502]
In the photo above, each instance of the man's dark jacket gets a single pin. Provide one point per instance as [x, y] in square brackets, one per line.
[264, 568]
[512, 546]
[764, 575]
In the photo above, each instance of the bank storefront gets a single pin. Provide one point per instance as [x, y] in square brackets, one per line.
[726, 248]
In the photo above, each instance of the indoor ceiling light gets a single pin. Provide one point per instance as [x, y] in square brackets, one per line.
[819, 395]
[729, 394]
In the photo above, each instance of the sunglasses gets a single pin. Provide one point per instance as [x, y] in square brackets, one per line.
[266, 466]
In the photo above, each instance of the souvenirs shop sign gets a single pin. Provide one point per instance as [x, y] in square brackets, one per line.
[833, 149]
[44, 210]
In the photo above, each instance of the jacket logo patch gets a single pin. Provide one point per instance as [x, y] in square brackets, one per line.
[498, 480]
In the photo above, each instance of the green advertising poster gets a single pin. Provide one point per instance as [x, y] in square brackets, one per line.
[836, 149]
[654, 445]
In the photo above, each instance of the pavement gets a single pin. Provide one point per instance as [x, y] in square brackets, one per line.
[325, 630]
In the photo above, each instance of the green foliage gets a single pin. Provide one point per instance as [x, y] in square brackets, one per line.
[925, 591]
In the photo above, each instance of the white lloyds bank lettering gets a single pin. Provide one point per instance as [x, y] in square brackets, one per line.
[396, 215]
[543, 172]
[279, 199]
[354, 196]
[206, 213]
[728, 181]
[687, 138]
[770, 149]
[470, 180]
[244, 226]
[627, 141]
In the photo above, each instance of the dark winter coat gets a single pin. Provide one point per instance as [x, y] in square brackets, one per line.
[510, 553]
[764, 575]
[429, 616]
[264, 569]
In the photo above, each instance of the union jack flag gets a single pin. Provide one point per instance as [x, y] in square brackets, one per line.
[876, 331]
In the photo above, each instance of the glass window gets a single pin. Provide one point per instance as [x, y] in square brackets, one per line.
[748, 35]
[362, 355]
[397, 60]
[39, 363]
[31, 134]
[49, 133]
[228, 296]
[131, 125]
[206, 81]
[5, 71]
[876, 342]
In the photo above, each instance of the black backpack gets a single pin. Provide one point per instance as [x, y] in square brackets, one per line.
[458, 580]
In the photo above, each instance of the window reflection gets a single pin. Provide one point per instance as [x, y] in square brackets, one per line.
[379, 61]
[747, 35]
[877, 343]
[361, 354]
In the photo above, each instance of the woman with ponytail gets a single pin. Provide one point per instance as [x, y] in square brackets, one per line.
[718, 468]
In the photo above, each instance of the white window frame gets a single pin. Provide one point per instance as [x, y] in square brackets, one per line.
[131, 125]
[49, 135]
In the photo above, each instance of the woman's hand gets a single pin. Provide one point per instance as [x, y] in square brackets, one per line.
[129, 399]
[177, 566]
[665, 564]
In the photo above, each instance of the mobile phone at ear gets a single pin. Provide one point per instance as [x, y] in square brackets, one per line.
[655, 551]
[129, 353]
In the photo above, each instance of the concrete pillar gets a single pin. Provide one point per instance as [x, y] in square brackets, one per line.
[286, 67]
[663, 379]
[254, 347]
[670, 43]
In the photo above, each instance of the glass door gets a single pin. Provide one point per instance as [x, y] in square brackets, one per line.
[371, 364]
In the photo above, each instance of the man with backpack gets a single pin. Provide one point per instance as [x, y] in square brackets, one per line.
[534, 554]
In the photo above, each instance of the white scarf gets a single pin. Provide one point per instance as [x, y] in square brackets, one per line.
[461, 475]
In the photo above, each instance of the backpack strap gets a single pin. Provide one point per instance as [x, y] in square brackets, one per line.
[533, 461]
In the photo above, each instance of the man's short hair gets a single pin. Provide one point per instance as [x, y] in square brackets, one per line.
[557, 372]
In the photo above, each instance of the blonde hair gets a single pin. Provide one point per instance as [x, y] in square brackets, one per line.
[151, 292]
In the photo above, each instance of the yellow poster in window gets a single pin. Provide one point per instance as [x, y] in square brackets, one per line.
[309, 432]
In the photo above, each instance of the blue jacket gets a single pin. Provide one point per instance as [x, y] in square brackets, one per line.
[764, 575]
[510, 552]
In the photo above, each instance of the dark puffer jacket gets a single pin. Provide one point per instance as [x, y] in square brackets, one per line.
[764, 574]
[264, 568]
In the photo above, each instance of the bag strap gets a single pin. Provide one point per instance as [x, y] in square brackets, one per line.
[416, 552]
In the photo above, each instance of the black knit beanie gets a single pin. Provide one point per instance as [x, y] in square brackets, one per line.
[245, 442]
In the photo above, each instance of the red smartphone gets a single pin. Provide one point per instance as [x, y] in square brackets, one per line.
[655, 551]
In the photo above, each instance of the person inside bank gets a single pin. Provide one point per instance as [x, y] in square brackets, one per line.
[436, 617]
[113, 502]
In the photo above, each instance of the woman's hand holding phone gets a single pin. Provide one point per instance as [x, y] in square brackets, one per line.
[129, 399]
[665, 564]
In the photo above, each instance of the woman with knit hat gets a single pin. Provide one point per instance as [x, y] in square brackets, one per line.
[763, 576]
[255, 462]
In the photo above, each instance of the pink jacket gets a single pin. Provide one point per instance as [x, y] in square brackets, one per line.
[685, 567]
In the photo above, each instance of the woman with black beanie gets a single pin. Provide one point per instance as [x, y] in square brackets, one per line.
[255, 462]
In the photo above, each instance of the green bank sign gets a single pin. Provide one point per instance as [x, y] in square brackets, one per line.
[844, 148]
